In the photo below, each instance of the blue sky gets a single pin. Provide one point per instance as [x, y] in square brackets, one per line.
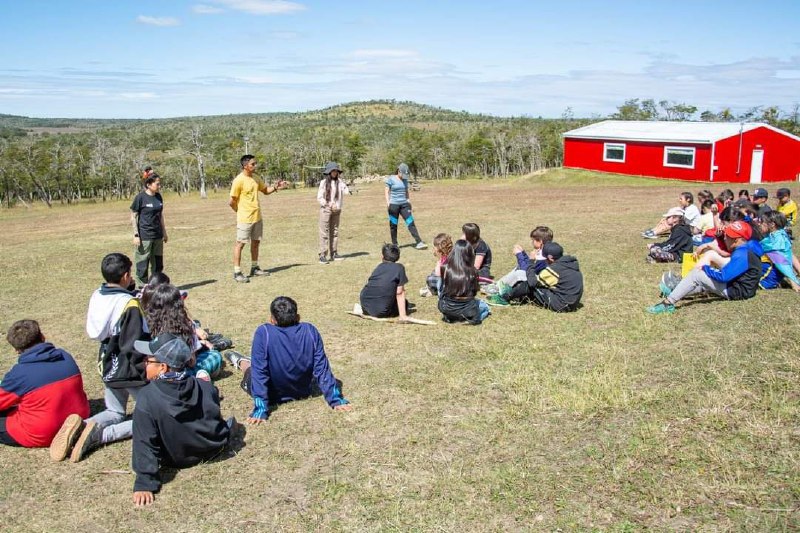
[149, 59]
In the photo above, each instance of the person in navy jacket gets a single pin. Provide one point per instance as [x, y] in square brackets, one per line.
[40, 391]
[288, 363]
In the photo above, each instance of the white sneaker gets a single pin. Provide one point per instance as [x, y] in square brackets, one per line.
[421, 246]
[357, 309]
[424, 292]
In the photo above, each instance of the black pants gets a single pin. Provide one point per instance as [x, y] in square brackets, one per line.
[245, 384]
[5, 438]
[538, 296]
[402, 210]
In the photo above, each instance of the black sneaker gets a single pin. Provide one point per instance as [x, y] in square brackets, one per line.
[323, 260]
[234, 358]
[240, 278]
[258, 271]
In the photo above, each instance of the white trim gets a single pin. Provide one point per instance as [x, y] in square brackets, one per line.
[616, 146]
[680, 148]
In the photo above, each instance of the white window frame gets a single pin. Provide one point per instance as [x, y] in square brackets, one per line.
[616, 146]
[683, 149]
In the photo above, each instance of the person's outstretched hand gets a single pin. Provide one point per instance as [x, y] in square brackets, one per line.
[343, 407]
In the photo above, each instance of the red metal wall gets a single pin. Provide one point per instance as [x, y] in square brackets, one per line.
[781, 157]
[641, 159]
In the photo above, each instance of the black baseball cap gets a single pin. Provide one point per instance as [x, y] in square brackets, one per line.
[166, 348]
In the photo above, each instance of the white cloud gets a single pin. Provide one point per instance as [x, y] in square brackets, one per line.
[263, 7]
[138, 96]
[158, 21]
[383, 53]
[203, 9]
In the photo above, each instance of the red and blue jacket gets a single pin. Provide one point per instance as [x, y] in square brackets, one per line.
[39, 393]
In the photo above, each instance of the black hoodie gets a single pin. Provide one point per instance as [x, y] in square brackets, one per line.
[175, 423]
[563, 280]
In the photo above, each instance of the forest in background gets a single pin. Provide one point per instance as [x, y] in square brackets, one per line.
[69, 160]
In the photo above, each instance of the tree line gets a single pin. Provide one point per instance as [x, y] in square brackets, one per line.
[67, 161]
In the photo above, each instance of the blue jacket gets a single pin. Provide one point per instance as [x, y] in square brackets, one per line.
[285, 363]
[742, 272]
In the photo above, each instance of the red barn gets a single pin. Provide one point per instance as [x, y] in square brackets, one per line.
[693, 151]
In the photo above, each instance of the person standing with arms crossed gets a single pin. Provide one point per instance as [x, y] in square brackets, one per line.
[149, 229]
[396, 194]
[249, 225]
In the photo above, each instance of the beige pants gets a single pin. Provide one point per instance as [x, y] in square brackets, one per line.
[328, 231]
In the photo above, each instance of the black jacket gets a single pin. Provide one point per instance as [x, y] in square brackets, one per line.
[563, 280]
[679, 241]
[121, 366]
[175, 423]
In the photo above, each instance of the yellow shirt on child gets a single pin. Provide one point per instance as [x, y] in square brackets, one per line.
[789, 210]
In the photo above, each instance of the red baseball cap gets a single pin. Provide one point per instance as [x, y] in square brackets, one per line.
[738, 230]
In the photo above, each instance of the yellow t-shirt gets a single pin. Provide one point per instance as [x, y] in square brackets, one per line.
[789, 210]
[245, 189]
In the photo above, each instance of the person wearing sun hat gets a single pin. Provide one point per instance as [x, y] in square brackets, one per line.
[177, 420]
[737, 280]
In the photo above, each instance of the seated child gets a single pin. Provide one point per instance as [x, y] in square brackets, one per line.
[690, 213]
[471, 232]
[176, 421]
[457, 301]
[384, 295]
[442, 246]
[558, 287]
[165, 313]
[744, 194]
[540, 236]
[777, 248]
[706, 223]
[679, 242]
[788, 207]
[115, 319]
[40, 392]
[287, 362]
[737, 280]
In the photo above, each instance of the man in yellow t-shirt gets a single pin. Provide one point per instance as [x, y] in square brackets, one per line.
[249, 227]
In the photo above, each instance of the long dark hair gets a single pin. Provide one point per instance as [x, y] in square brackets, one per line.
[166, 313]
[328, 182]
[460, 278]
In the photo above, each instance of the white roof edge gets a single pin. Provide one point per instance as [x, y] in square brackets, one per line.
[661, 133]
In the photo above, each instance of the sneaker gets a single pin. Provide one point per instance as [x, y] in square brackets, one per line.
[665, 290]
[234, 358]
[425, 292]
[503, 289]
[90, 439]
[240, 278]
[497, 300]
[649, 234]
[65, 438]
[421, 246]
[258, 271]
[661, 308]
[337, 257]
[323, 260]
[489, 289]
[357, 309]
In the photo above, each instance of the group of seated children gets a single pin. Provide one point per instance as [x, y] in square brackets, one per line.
[546, 277]
[748, 248]
[151, 351]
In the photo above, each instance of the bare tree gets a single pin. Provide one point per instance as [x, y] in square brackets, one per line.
[197, 152]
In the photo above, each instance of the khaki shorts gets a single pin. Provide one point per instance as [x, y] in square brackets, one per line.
[249, 232]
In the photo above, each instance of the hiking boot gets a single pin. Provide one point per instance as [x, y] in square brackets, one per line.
[91, 438]
[258, 271]
[240, 278]
[65, 438]
[323, 260]
[497, 300]
[661, 308]
[421, 246]
[337, 257]
[234, 358]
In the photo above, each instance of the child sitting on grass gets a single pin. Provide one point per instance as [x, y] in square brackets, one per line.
[384, 295]
[40, 392]
[442, 246]
[177, 420]
[287, 363]
[540, 236]
[471, 232]
[777, 248]
[679, 242]
[457, 301]
[558, 287]
[737, 280]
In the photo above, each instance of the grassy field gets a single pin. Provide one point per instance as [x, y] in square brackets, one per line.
[606, 419]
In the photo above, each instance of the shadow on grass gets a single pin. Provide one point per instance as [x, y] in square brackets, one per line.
[236, 443]
[284, 267]
[353, 254]
[188, 286]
